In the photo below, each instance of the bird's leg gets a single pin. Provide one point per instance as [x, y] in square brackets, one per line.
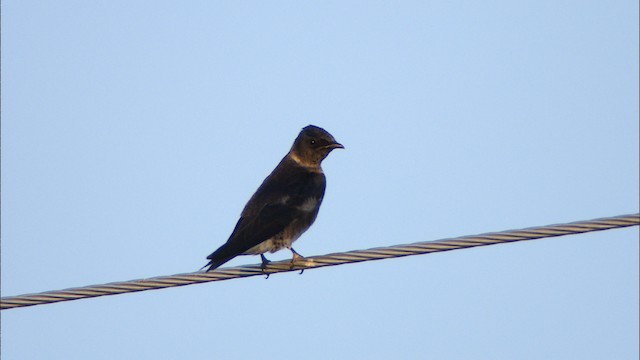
[265, 262]
[295, 258]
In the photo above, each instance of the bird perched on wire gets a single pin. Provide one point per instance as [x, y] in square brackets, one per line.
[285, 205]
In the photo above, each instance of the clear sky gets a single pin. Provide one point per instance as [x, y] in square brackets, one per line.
[133, 133]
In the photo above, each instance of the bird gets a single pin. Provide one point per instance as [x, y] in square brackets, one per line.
[285, 205]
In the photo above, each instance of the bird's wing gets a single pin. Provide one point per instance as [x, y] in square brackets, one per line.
[271, 220]
[252, 230]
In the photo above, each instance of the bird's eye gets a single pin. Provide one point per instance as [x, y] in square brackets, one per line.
[313, 142]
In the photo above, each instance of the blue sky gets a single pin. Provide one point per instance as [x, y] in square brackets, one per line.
[133, 133]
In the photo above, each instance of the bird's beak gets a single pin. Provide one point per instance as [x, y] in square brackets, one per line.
[335, 145]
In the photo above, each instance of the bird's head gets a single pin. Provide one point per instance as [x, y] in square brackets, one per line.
[312, 145]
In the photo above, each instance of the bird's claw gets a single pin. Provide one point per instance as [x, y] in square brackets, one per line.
[296, 257]
[263, 266]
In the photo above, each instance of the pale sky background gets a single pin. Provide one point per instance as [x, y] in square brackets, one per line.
[133, 133]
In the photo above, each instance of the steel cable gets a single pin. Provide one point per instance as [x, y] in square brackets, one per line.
[425, 247]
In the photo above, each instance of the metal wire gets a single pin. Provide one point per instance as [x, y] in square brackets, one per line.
[426, 247]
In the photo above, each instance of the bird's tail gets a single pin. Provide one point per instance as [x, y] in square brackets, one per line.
[219, 257]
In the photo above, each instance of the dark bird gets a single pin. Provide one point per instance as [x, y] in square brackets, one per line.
[285, 205]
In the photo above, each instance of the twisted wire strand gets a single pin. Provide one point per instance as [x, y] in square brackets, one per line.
[426, 247]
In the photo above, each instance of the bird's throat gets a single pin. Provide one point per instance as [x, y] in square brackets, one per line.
[311, 166]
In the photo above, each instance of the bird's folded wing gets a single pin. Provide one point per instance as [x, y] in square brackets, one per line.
[253, 230]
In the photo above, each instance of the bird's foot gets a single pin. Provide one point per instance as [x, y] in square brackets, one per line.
[296, 257]
[264, 264]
